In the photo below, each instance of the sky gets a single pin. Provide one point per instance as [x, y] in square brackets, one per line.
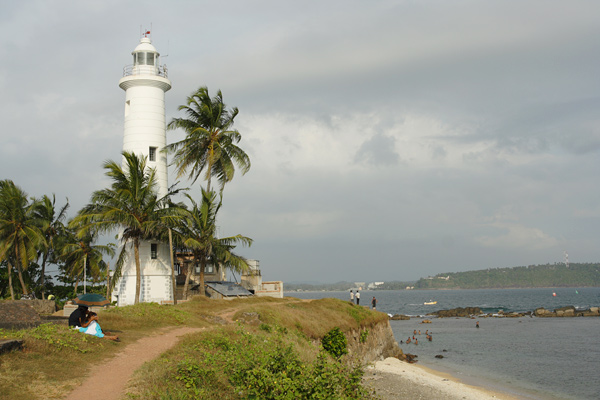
[389, 140]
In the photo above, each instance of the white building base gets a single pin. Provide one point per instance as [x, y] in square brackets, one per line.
[154, 289]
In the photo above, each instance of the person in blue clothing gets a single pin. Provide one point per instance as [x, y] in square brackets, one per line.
[93, 328]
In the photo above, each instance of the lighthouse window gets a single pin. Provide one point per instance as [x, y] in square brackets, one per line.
[152, 154]
[153, 251]
[143, 58]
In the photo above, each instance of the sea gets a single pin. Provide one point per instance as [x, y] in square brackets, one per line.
[527, 357]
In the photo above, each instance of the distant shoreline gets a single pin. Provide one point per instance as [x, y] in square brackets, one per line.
[439, 289]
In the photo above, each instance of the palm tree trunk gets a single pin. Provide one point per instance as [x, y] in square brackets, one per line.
[76, 285]
[202, 265]
[10, 285]
[20, 270]
[187, 280]
[138, 270]
[84, 272]
[108, 291]
[43, 274]
[173, 280]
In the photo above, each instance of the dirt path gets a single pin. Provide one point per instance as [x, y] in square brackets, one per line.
[108, 380]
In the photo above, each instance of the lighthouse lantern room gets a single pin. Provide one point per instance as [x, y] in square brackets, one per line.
[145, 83]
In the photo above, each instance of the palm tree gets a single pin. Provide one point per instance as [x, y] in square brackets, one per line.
[198, 234]
[20, 235]
[52, 228]
[131, 204]
[210, 142]
[81, 255]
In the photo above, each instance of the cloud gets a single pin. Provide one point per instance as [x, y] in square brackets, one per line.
[518, 236]
[378, 151]
[391, 140]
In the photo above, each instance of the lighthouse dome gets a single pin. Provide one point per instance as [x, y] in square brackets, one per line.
[145, 45]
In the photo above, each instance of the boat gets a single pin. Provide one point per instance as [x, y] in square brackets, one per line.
[427, 303]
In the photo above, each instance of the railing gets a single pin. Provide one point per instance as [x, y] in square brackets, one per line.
[161, 70]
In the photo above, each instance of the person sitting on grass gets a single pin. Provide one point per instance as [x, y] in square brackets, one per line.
[93, 328]
[77, 319]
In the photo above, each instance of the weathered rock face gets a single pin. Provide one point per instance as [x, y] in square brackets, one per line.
[377, 344]
[18, 315]
[457, 312]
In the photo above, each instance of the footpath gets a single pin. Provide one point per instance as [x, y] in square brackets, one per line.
[108, 380]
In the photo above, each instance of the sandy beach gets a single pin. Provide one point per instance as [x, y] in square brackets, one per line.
[395, 379]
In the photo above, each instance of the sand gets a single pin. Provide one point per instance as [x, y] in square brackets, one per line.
[395, 379]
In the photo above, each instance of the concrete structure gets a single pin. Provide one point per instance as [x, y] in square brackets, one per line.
[145, 83]
[252, 280]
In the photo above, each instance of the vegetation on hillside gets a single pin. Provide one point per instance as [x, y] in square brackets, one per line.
[549, 275]
[269, 352]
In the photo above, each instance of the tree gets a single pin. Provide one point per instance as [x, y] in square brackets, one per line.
[198, 234]
[52, 229]
[81, 255]
[20, 234]
[131, 204]
[210, 142]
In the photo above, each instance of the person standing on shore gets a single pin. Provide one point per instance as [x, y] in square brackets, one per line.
[374, 303]
[357, 298]
[352, 296]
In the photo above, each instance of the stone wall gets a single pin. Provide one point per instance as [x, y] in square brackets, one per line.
[18, 314]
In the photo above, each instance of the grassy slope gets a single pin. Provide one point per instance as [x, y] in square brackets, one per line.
[55, 358]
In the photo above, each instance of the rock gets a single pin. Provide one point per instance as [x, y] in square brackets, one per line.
[439, 356]
[250, 318]
[10, 345]
[542, 312]
[399, 317]
[411, 358]
[458, 312]
[18, 315]
[564, 309]
[426, 321]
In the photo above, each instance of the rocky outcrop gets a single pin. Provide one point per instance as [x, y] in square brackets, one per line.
[457, 312]
[374, 343]
[568, 311]
[399, 317]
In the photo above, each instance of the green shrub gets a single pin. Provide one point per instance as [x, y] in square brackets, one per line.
[335, 343]
[238, 364]
[363, 336]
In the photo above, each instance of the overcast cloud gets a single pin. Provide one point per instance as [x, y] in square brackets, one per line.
[390, 140]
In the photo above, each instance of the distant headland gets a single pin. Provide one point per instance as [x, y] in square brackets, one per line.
[532, 276]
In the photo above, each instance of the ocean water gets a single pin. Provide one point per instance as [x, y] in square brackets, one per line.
[531, 358]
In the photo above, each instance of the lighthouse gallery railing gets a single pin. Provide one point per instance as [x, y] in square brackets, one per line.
[161, 70]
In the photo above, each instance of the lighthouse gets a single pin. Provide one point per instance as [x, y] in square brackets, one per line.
[145, 83]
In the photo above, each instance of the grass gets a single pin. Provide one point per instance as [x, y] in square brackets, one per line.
[45, 368]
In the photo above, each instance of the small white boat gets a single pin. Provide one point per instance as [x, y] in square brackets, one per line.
[430, 302]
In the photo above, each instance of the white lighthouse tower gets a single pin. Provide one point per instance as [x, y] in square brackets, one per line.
[145, 83]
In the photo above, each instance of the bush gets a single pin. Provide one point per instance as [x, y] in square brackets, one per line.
[335, 343]
[231, 364]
